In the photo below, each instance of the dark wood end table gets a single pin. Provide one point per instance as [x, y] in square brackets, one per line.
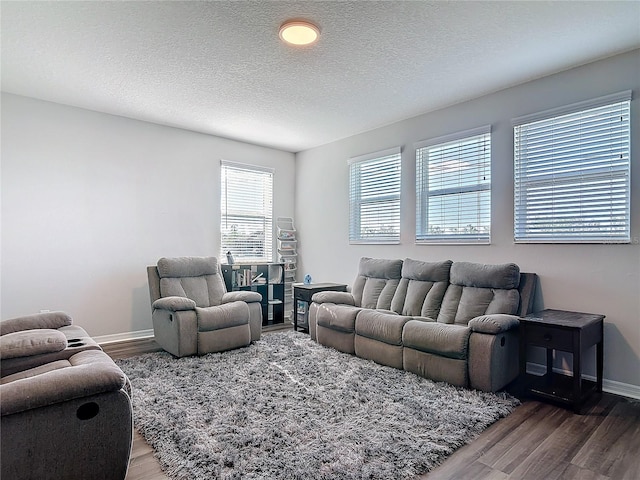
[571, 332]
[302, 294]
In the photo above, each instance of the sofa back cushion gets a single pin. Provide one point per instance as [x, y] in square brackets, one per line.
[476, 289]
[421, 288]
[197, 278]
[376, 282]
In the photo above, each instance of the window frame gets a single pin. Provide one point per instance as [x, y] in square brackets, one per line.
[265, 217]
[619, 175]
[423, 193]
[356, 200]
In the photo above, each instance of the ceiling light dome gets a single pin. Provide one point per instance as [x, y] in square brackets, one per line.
[299, 32]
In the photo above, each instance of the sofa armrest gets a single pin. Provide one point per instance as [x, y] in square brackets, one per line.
[494, 324]
[241, 296]
[90, 373]
[51, 320]
[174, 304]
[340, 298]
[27, 343]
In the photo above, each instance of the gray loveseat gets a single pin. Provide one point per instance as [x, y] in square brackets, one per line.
[448, 321]
[65, 405]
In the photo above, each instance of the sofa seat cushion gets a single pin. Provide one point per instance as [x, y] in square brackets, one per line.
[382, 326]
[337, 317]
[449, 341]
[223, 316]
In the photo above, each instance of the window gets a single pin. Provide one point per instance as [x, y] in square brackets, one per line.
[453, 188]
[246, 224]
[374, 197]
[571, 172]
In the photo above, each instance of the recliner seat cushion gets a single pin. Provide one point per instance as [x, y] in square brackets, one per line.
[224, 316]
[449, 341]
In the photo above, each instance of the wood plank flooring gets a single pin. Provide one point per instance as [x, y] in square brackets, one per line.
[538, 441]
[542, 441]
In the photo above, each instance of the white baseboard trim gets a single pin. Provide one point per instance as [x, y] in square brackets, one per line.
[123, 337]
[609, 386]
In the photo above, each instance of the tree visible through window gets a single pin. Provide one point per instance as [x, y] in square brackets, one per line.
[246, 224]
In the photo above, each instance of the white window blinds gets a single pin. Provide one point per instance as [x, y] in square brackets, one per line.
[374, 197]
[453, 188]
[572, 173]
[246, 212]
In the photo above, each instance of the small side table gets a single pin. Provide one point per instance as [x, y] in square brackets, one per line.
[302, 294]
[571, 332]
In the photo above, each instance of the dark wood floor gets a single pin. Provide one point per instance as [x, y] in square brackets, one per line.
[537, 441]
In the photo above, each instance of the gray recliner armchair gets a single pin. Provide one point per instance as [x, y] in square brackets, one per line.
[192, 312]
[65, 405]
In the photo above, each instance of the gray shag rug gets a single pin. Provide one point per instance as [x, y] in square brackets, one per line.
[286, 407]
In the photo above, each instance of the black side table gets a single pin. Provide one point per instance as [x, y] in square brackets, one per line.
[571, 332]
[302, 294]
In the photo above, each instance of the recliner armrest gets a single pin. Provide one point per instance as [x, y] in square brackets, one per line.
[340, 298]
[241, 296]
[31, 342]
[174, 304]
[90, 373]
[494, 324]
[51, 320]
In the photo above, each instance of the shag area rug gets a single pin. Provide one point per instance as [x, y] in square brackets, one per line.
[286, 407]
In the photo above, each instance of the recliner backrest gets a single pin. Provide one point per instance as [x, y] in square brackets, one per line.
[476, 289]
[197, 278]
[421, 288]
[376, 282]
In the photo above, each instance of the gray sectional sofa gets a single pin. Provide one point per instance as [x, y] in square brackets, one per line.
[448, 321]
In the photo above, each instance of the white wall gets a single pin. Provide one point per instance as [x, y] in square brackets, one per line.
[590, 278]
[89, 200]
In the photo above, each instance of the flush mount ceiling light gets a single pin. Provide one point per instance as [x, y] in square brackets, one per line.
[299, 32]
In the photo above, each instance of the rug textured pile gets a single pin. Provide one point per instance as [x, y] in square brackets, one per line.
[286, 407]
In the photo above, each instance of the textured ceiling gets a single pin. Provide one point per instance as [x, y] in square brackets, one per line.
[219, 67]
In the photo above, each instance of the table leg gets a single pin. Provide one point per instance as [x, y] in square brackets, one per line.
[549, 365]
[599, 365]
[523, 383]
[577, 374]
